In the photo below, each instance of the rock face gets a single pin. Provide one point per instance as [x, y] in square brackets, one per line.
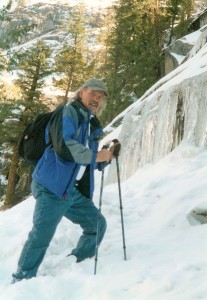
[162, 121]
[179, 50]
[47, 21]
[175, 54]
[171, 112]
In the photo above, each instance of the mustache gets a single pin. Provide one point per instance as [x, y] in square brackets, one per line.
[93, 103]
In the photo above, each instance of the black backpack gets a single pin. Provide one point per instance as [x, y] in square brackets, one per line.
[32, 143]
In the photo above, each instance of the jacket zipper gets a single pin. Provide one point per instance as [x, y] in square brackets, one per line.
[64, 194]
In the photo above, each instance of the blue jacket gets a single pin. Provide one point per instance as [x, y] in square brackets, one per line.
[58, 167]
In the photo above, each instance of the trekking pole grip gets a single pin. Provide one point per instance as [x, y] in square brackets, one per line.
[117, 148]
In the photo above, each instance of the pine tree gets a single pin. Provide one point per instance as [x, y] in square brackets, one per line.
[8, 137]
[134, 56]
[100, 53]
[134, 59]
[34, 66]
[13, 118]
[178, 13]
[73, 62]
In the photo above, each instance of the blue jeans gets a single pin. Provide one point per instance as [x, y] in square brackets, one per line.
[49, 210]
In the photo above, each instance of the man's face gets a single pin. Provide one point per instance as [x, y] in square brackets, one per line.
[91, 99]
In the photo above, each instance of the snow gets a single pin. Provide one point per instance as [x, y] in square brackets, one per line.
[163, 194]
[148, 127]
[3, 180]
[165, 248]
[191, 68]
[178, 57]
[192, 37]
[89, 3]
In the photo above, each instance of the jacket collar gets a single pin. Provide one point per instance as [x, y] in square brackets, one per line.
[86, 113]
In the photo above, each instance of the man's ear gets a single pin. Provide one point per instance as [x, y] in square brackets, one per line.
[80, 93]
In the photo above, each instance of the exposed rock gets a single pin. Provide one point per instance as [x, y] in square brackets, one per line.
[171, 112]
[46, 18]
[178, 52]
[197, 217]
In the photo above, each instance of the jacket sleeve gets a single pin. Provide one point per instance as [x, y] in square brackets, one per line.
[68, 135]
[101, 165]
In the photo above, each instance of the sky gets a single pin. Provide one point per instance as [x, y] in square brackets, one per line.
[166, 241]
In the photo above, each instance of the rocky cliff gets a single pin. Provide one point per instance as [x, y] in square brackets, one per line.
[171, 112]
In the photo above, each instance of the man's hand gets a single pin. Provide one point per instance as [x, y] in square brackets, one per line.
[103, 155]
[115, 149]
[106, 155]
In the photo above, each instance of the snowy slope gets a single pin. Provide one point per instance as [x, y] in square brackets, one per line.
[164, 199]
[166, 248]
[166, 244]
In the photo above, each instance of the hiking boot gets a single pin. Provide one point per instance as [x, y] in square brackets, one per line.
[18, 276]
[72, 258]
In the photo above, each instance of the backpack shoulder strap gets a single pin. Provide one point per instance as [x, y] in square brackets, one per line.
[78, 108]
[55, 124]
[80, 117]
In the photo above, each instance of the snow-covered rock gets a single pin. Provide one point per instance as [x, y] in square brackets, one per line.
[172, 111]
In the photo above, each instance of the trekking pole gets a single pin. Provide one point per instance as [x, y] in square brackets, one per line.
[100, 204]
[116, 154]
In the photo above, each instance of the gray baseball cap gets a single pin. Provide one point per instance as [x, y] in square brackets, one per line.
[96, 85]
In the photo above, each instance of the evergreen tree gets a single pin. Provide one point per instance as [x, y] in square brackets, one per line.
[134, 55]
[100, 54]
[134, 58]
[13, 118]
[8, 140]
[178, 13]
[73, 62]
[33, 65]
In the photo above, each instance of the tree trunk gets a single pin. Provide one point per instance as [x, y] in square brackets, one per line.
[67, 91]
[25, 186]
[12, 179]
[33, 87]
[70, 79]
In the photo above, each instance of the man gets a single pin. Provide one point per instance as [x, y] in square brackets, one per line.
[63, 180]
